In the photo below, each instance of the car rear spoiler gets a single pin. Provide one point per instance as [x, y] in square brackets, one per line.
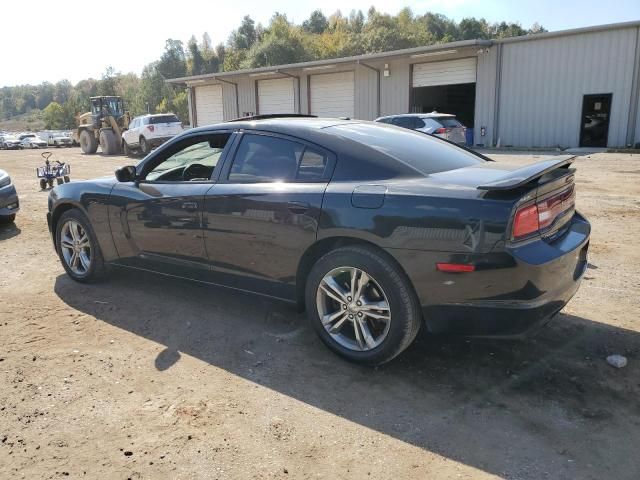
[529, 173]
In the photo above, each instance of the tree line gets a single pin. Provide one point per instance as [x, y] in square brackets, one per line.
[251, 45]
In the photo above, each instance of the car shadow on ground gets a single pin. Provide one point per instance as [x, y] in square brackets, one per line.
[8, 230]
[537, 408]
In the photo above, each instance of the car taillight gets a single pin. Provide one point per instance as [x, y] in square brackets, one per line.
[525, 222]
[150, 127]
[550, 208]
[542, 214]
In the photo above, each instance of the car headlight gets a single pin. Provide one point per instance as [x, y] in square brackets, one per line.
[5, 181]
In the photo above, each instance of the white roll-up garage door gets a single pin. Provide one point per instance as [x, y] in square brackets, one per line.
[333, 94]
[449, 72]
[209, 105]
[276, 96]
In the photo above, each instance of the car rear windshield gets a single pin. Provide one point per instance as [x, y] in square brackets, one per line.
[425, 153]
[164, 119]
[449, 122]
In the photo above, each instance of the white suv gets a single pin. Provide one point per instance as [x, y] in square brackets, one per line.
[149, 131]
[443, 125]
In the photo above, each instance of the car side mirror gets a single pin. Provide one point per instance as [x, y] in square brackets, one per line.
[126, 174]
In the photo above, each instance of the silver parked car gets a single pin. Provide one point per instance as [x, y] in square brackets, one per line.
[9, 203]
[443, 125]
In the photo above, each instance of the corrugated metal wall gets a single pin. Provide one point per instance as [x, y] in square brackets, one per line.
[485, 97]
[543, 83]
[540, 84]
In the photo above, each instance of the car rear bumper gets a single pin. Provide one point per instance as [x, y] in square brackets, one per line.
[509, 293]
[9, 203]
[157, 141]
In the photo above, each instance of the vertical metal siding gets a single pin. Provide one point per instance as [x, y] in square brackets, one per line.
[366, 106]
[229, 101]
[394, 89]
[246, 95]
[485, 97]
[544, 81]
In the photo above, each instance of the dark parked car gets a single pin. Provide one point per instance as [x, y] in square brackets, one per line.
[375, 229]
[9, 203]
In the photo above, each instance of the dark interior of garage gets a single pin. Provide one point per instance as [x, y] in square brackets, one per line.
[457, 99]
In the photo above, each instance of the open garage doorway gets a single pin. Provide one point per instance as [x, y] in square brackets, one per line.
[447, 86]
[459, 100]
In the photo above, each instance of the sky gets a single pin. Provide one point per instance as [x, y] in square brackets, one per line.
[51, 41]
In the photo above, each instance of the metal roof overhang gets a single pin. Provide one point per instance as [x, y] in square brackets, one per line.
[328, 63]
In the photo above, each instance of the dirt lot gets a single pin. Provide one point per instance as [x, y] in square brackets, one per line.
[149, 377]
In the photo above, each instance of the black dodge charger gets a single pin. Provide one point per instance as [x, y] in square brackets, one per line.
[376, 230]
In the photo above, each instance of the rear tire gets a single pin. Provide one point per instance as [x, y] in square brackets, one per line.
[43, 184]
[59, 181]
[66, 179]
[7, 218]
[50, 182]
[88, 142]
[108, 142]
[144, 146]
[95, 270]
[387, 287]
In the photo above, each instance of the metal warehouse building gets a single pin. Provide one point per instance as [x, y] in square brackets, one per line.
[570, 88]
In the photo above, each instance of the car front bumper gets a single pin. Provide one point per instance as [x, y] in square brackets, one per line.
[509, 293]
[9, 203]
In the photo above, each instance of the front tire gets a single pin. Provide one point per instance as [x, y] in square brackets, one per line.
[125, 148]
[8, 218]
[78, 248]
[88, 142]
[108, 143]
[362, 305]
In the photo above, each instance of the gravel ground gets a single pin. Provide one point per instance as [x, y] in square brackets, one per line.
[150, 377]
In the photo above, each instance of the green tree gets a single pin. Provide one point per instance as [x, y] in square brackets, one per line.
[196, 60]
[317, 22]
[54, 116]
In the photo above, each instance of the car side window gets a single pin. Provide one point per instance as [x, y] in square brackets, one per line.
[193, 159]
[262, 158]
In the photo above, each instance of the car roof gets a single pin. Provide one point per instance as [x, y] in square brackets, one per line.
[155, 115]
[422, 115]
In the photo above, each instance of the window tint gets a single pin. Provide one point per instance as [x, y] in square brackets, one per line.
[193, 159]
[313, 165]
[425, 153]
[404, 122]
[262, 158]
[164, 119]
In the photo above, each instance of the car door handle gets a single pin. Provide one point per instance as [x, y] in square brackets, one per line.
[298, 207]
[190, 206]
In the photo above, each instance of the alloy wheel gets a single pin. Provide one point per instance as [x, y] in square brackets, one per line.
[76, 247]
[353, 308]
